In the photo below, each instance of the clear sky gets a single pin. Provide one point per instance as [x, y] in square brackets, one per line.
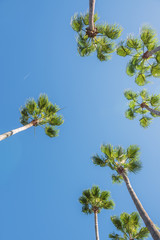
[41, 179]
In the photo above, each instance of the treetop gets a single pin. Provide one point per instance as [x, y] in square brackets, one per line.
[94, 200]
[117, 158]
[44, 112]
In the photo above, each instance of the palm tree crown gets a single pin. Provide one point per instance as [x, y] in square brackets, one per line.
[93, 200]
[100, 39]
[42, 113]
[140, 64]
[130, 226]
[139, 101]
[119, 160]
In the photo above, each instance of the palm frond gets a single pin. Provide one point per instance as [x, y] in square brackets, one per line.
[144, 94]
[42, 101]
[135, 220]
[130, 114]
[87, 193]
[141, 79]
[145, 121]
[133, 152]
[155, 100]
[51, 131]
[99, 161]
[95, 190]
[115, 236]
[155, 70]
[117, 178]
[133, 42]
[107, 150]
[130, 95]
[77, 22]
[123, 51]
[143, 233]
[83, 200]
[148, 36]
[134, 166]
[86, 209]
[117, 222]
[105, 195]
[112, 31]
[108, 204]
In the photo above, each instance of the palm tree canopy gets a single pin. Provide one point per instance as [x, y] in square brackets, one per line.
[130, 227]
[139, 65]
[99, 40]
[43, 111]
[118, 160]
[136, 101]
[94, 200]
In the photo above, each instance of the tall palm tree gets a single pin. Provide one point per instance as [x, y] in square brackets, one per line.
[130, 226]
[94, 37]
[122, 162]
[43, 113]
[93, 201]
[139, 101]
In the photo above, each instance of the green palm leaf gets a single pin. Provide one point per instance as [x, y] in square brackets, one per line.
[155, 70]
[130, 114]
[117, 222]
[145, 121]
[141, 79]
[143, 233]
[133, 152]
[117, 179]
[134, 166]
[130, 95]
[51, 131]
[123, 51]
[97, 160]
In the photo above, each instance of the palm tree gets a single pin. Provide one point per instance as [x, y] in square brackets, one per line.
[139, 101]
[93, 201]
[141, 64]
[122, 162]
[130, 226]
[43, 113]
[94, 37]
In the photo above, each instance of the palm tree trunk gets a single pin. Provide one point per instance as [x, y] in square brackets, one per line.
[96, 225]
[150, 53]
[148, 222]
[91, 14]
[152, 110]
[17, 130]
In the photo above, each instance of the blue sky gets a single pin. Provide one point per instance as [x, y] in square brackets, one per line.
[41, 179]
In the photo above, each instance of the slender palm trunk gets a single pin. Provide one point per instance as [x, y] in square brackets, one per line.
[150, 53]
[91, 14]
[17, 130]
[152, 110]
[148, 222]
[96, 225]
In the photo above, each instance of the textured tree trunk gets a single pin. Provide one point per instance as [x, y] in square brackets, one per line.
[149, 224]
[96, 225]
[17, 130]
[152, 110]
[150, 53]
[91, 14]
